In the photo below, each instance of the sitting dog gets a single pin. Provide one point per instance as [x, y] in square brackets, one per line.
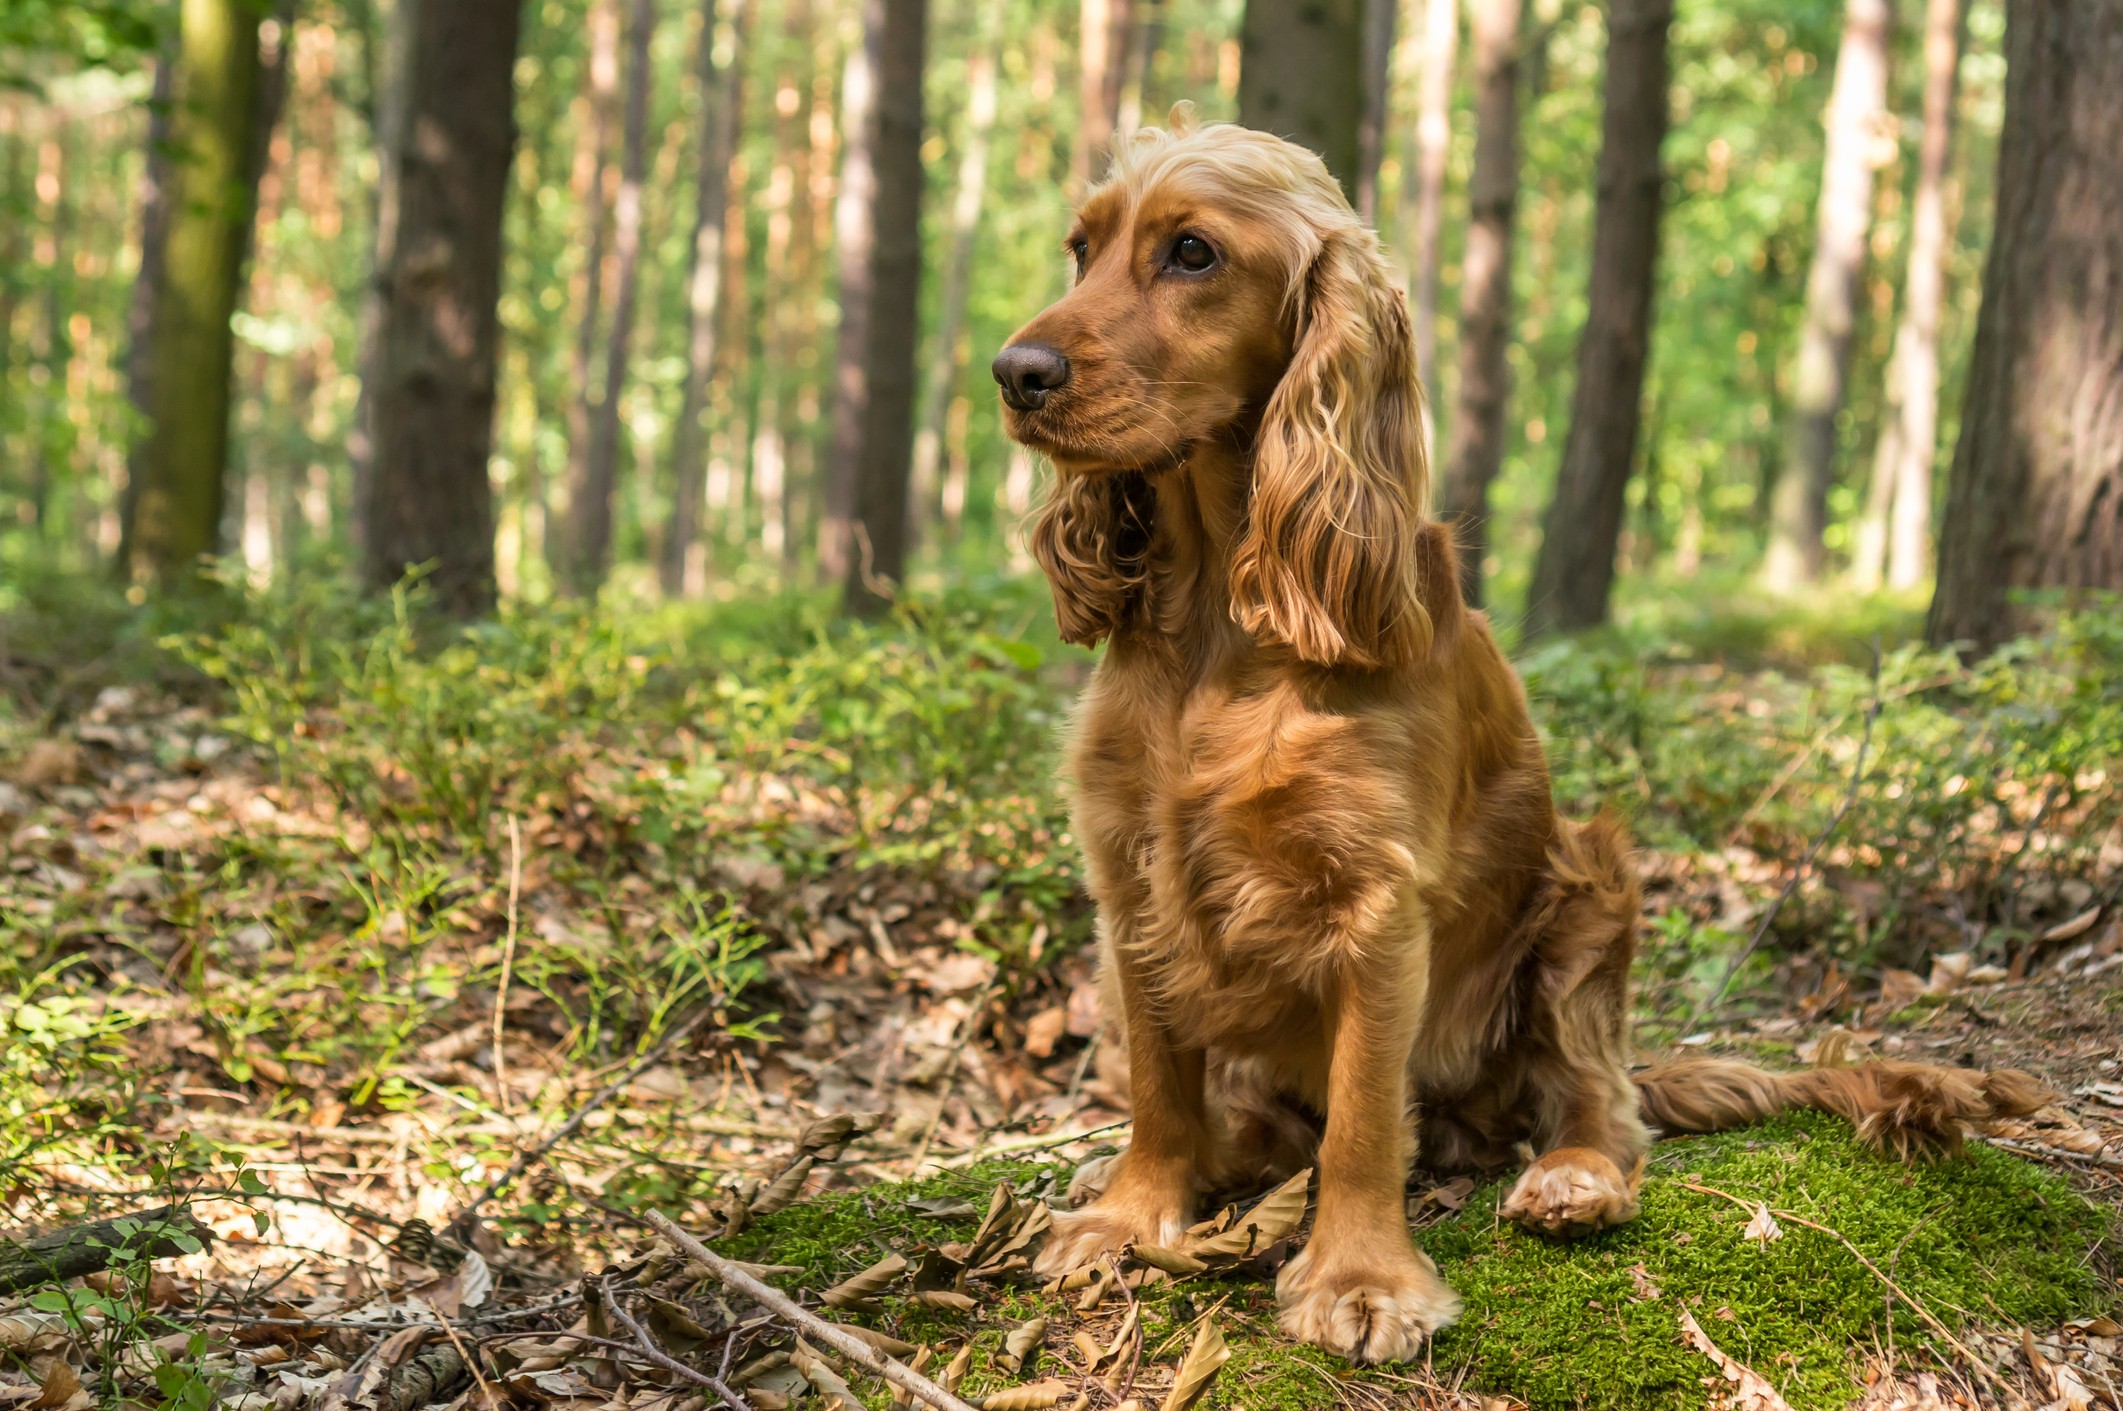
[1336, 906]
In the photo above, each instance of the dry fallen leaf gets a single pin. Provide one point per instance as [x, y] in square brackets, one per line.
[884, 1342]
[61, 1391]
[1279, 1213]
[1197, 1369]
[859, 1294]
[2077, 926]
[1751, 1392]
[1762, 1227]
[946, 1300]
[834, 1392]
[1174, 1262]
[787, 1186]
[1646, 1289]
[919, 1362]
[1022, 1346]
[955, 1370]
[1032, 1396]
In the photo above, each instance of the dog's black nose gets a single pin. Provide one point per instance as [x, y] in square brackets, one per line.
[1027, 372]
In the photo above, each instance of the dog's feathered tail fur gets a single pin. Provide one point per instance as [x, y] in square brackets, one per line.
[1911, 1109]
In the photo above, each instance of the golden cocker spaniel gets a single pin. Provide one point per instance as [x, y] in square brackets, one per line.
[1338, 914]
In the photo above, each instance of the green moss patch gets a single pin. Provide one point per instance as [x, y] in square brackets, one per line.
[1989, 1239]
[1595, 1323]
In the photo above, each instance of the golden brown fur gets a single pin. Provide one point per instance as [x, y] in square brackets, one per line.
[1332, 890]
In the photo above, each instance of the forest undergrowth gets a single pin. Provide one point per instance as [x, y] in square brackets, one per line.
[321, 917]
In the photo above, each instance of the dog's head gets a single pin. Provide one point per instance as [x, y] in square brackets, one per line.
[1225, 292]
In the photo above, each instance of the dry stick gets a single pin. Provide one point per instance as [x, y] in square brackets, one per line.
[2054, 1153]
[1850, 796]
[655, 1354]
[1919, 1309]
[528, 1159]
[508, 961]
[834, 1336]
[958, 1050]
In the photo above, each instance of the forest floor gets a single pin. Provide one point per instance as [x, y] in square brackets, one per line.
[230, 992]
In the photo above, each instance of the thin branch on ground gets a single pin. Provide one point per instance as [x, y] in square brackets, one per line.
[526, 1160]
[1919, 1309]
[834, 1336]
[1798, 874]
[508, 961]
[655, 1354]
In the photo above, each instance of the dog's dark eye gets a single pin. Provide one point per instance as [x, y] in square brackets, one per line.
[1191, 252]
[1079, 251]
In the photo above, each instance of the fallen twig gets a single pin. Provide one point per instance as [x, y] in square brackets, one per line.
[508, 961]
[87, 1249]
[1850, 796]
[2054, 1153]
[526, 1160]
[655, 1354]
[834, 1336]
[1899, 1292]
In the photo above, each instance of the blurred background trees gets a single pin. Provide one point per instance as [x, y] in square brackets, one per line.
[661, 297]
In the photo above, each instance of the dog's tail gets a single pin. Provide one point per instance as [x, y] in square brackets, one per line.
[1909, 1108]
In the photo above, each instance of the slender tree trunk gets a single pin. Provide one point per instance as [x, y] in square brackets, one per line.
[387, 122]
[1106, 35]
[721, 111]
[154, 196]
[1300, 76]
[178, 503]
[1135, 80]
[1574, 572]
[2035, 497]
[1476, 449]
[854, 236]
[590, 165]
[59, 298]
[593, 512]
[1377, 78]
[958, 270]
[1909, 424]
[1798, 510]
[1423, 198]
[876, 556]
[430, 500]
[1923, 295]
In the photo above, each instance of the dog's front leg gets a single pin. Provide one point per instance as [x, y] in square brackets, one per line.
[1360, 1287]
[1149, 1191]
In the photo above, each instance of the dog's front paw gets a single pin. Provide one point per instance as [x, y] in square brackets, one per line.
[1079, 1237]
[1367, 1307]
[1572, 1191]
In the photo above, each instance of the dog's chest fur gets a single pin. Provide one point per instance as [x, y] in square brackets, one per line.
[1241, 846]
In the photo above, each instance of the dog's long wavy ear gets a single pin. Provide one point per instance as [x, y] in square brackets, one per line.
[1327, 563]
[1092, 538]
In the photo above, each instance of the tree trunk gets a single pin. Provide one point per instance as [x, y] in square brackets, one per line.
[1476, 450]
[958, 269]
[1300, 76]
[1106, 35]
[1423, 197]
[387, 121]
[1574, 572]
[1377, 78]
[154, 195]
[894, 30]
[1923, 295]
[178, 504]
[1798, 511]
[1909, 421]
[593, 511]
[430, 500]
[2035, 496]
[721, 111]
[590, 176]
